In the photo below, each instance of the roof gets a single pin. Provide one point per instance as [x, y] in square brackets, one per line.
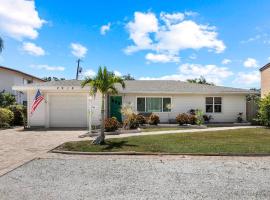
[22, 73]
[146, 87]
[265, 67]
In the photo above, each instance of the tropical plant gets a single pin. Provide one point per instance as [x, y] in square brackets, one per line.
[141, 119]
[1, 44]
[127, 110]
[207, 118]
[19, 112]
[104, 82]
[153, 119]
[182, 118]
[111, 124]
[6, 99]
[199, 117]
[264, 110]
[131, 122]
[6, 117]
[200, 80]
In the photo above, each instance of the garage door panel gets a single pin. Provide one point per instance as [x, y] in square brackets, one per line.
[68, 111]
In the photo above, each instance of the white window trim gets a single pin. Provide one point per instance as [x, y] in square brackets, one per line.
[153, 97]
[213, 104]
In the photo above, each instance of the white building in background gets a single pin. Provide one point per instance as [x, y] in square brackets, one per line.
[10, 77]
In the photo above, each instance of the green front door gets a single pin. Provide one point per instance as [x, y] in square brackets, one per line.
[115, 107]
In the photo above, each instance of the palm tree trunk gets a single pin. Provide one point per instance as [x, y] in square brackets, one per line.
[101, 138]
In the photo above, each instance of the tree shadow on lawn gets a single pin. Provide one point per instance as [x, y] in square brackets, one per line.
[117, 145]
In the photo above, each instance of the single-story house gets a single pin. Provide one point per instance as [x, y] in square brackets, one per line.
[66, 102]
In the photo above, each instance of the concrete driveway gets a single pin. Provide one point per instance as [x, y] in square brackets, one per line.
[18, 146]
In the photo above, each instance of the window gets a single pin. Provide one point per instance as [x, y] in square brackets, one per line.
[141, 104]
[167, 105]
[213, 104]
[153, 104]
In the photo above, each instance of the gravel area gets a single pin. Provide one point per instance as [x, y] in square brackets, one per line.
[135, 178]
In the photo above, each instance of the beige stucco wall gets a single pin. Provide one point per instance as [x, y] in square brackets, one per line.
[265, 81]
[41, 115]
[231, 105]
[9, 79]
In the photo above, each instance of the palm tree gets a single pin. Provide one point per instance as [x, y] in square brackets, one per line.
[1, 44]
[104, 82]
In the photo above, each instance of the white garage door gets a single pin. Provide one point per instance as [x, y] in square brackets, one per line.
[68, 110]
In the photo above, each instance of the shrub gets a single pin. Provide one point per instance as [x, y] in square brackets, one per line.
[6, 99]
[182, 118]
[199, 117]
[6, 116]
[141, 119]
[207, 118]
[111, 124]
[239, 117]
[153, 119]
[131, 122]
[264, 110]
[19, 112]
[192, 119]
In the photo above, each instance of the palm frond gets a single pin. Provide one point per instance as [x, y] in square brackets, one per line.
[86, 81]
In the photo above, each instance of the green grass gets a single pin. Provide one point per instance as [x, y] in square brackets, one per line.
[229, 141]
[162, 129]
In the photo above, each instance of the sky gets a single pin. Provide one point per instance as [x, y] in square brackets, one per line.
[224, 41]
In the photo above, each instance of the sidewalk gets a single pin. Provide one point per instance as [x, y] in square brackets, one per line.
[180, 131]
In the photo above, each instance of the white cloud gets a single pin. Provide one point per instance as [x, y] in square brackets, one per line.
[162, 58]
[226, 61]
[89, 73]
[19, 19]
[211, 73]
[250, 63]
[105, 28]
[173, 18]
[139, 30]
[78, 50]
[250, 78]
[117, 73]
[48, 68]
[33, 49]
[176, 33]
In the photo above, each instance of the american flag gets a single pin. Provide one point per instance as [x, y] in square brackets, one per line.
[37, 100]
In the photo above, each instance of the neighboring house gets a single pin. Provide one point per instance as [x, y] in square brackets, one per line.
[10, 77]
[66, 102]
[265, 79]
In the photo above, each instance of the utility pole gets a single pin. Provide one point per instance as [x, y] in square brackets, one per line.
[79, 69]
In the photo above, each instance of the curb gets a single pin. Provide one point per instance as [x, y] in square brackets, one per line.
[161, 154]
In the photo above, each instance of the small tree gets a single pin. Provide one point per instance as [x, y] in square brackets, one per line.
[104, 82]
[200, 80]
[264, 110]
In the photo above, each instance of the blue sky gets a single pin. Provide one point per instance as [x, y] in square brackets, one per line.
[225, 41]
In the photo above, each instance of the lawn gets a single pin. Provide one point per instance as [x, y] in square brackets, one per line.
[255, 140]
